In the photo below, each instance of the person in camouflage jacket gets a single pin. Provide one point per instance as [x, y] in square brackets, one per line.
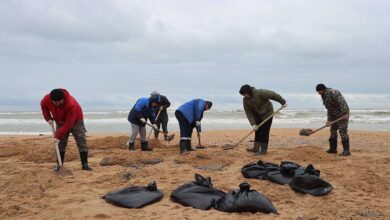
[258, 107]
[337, 107]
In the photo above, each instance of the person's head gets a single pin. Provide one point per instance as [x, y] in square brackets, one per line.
[154, 100]
[208, 105]
[57, 97]
[246, 91]
[155, 93]
[320, 88]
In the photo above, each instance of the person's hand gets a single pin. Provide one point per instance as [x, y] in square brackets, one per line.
[285, 105]
[143, 120]
[197, 123]
[346, 116]
[255, 127]
[56, 141]
[50, 122]
[154, 126]
[161, 108]
[328, 123]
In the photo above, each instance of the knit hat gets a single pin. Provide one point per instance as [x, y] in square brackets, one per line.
[57, 95]
[246, 89]
[209, 104]
[320, 87]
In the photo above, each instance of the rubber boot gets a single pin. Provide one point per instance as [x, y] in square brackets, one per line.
[156, 134]
[131, 146]
[84, 161]
[346, 151]
[189, 147]
[57, 167]
[263, 150]
[145, 146]
[332, 146]
[183, 146]
[256, 147]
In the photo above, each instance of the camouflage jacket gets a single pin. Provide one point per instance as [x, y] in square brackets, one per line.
[259, 105]
[335, 103]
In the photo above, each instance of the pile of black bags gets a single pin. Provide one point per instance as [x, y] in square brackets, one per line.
[198, 194]
[245, 200]
[135, 196]
[304, 180]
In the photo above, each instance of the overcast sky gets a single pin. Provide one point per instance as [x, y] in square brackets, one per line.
[112, 51]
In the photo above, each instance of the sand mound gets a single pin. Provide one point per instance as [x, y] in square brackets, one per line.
[309, 153]
[120, 142]
[204, 160]
[47, 153]
[137, 160]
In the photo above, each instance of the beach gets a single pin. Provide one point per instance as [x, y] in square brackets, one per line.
[30, 189]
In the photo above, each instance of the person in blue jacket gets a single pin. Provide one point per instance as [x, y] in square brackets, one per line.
[138, 116]
[189, 116]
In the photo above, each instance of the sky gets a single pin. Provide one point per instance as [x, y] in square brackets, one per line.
[109, 53]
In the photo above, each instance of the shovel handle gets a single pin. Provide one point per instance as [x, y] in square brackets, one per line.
[158, 114]
[156, 128]
[258, 126]
[327, 126]
[56, 146]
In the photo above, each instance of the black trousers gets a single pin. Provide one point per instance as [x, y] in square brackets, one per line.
[185, 127]
[162, 121]
[262, 134]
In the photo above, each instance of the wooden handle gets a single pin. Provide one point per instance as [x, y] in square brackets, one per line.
[56, 146]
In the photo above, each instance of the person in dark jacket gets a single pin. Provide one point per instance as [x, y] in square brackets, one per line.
[258, 107]
[337, 107]
[60, 107]
[138, 116]
[189, 116]
[162, 119]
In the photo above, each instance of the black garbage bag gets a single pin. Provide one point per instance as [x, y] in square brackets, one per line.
[198, 194]
[258, 170]
[245, 200]
[135, 196]
[310, 183]
[286, 173]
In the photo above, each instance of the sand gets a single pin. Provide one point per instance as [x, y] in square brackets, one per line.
[29, 189]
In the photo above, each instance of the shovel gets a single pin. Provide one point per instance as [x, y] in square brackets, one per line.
[229, 147]
[169, 136]
[200, 144]
[60, 171]
[308, 132]
[158, 114]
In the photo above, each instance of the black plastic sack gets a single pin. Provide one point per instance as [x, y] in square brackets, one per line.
[310, 183]
[286, 173]
[199, 194]
[245, 200]
[258, 170]
[135, 196]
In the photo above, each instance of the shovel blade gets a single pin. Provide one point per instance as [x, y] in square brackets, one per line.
[228, 147]
[170, 137]
[305, 132]
[63, 172]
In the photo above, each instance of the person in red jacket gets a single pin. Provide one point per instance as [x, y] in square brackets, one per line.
[60, 107]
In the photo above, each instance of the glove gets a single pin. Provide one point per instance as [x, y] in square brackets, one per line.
[50, 122]
[285, 105]
[161, 108]
[154, 126]
[56, 141]
[255, 127]
[143, 120]
[197, 123]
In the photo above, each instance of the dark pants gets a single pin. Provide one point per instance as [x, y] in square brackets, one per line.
[78, 131]
[185, 127]
[262, 134]
[162, 121]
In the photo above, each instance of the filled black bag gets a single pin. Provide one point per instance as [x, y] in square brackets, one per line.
[258, 170]
[245, 200]
[135, 196]
[198, 194]
[310, 183]
[286, 173]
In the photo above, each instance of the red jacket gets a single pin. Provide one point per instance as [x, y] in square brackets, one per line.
[65, 115]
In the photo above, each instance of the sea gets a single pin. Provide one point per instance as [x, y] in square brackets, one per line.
[368, 112]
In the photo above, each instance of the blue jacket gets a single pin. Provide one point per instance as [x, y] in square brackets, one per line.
[141, 109]
[193, 110]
